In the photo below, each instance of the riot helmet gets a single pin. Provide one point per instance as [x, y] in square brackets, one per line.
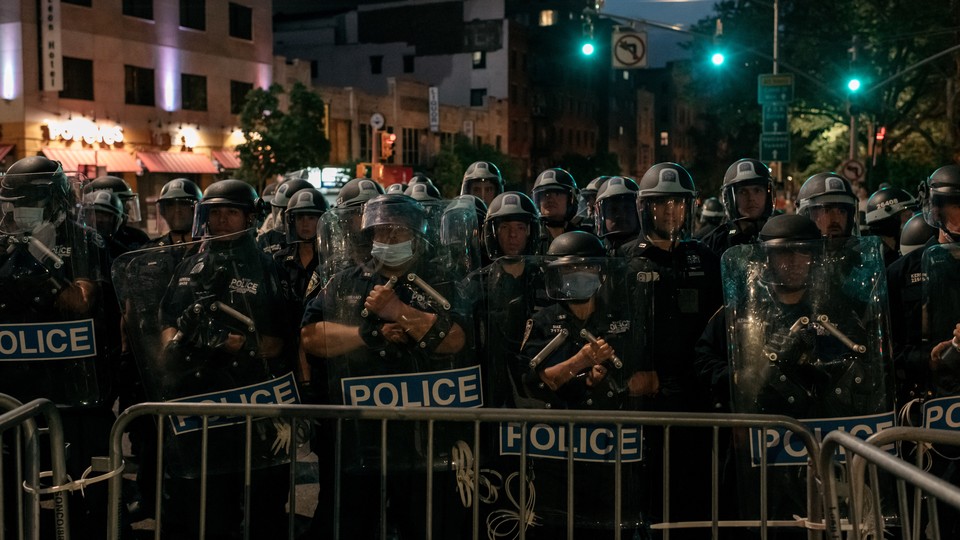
[129, 198]
[303, 212]
[574, 266]
[268, 192]
[915, 234]
[419, 178]
[511, 227]
[423, 192]
[747, 191]
[229, 194]
[665, 203]
[546, 187]
[888, 209]
[617, 208]
[104, 209]
[588, 196]
[482, 179]
[177, 203]
[711, 212]
[357, 192]
[396, 225]
[828, 200]
[278, 205]
[941, 200]
[792, 244]
[398, 188]
[34, 190]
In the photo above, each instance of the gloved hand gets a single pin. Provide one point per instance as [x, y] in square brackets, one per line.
[371, 331]
[190, 325]
[788, 348]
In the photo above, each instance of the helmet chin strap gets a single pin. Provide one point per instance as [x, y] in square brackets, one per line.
[950, 236]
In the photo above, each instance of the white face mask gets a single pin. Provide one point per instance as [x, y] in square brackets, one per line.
[393, 254]
[27, 217]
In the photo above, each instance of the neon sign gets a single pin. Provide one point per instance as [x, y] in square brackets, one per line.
[81, 129]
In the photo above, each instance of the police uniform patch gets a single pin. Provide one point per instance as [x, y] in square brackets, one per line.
[197, 268]
[526, 333]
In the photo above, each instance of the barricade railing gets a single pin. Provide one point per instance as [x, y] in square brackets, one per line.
[24, 456]
[525, 418]
[864, 502]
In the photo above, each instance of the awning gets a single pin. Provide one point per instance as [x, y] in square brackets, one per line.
[228, 159]
[177, 162]
[116, 161]
[4, 150]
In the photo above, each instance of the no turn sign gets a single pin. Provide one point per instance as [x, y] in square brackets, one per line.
[853, 170]
[629, 50]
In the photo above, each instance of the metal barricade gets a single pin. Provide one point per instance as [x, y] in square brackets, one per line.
[24, 454]
[527, 419]
[869, 453]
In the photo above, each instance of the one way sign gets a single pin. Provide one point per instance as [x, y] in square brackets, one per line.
[629, 49]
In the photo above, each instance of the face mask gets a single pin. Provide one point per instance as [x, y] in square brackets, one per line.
[393, 254]
[27, 217]
[580, 285]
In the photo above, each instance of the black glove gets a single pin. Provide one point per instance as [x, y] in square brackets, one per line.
[788, 348]
[371, 331]
[190, 325]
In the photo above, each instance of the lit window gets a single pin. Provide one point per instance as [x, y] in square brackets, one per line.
[548, 17]
[479, 59]
[664, 138]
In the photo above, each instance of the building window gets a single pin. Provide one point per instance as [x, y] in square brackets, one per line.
[138, 86]
[238, 95]
[193, 14]
[366, 147]
[499, 143]
[194, 89]
[477, 96]
[479, 59]
[85, 3]
[664, 138]
[376, 64]
[410, 142]
[77, 79]
[548, 17]
[408, 63]
[314, 69]
[142, 9]
[241, 21]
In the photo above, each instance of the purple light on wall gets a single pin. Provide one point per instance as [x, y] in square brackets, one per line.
[11, 70]
[168, 68]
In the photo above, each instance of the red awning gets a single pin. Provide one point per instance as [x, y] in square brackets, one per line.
[177, 162]
[4, 150]
[229, 159]
[116, 161]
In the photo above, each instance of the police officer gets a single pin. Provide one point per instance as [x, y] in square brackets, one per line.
[747, 197]
[105, 211]
[271, 241]
[616, 209]
[267, 196]
[711, 215]
[555, 194]
[915, 234]
[51, 271]
[131, 237]
[828, 200]
[226, 349]
[299, 258]
[888, 209]
[371, 321]
[586, 209]
[482, 179]
[175, 206]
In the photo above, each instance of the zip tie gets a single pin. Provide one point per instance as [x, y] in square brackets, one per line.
[73, 485]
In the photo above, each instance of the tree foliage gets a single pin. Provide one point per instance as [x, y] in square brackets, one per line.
[278, 141]
[891, 45]
[452, 160]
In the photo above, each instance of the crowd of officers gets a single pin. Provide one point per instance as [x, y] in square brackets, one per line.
[608, 296]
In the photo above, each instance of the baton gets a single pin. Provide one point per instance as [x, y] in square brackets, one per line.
[794, 328]
[825, 321]
[425, 287]
[389, 285]
[549, 348]
[240, 317]
[593, 339]
[42, 248]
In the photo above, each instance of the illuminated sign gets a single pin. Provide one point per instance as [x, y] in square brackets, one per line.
[51, 55]
[81, 129]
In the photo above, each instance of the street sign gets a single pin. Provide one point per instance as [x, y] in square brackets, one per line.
[434, 101]
[376, 120]
[629, 50]
[853, 170]
[775, 117]
[774, 88]
[774, 147]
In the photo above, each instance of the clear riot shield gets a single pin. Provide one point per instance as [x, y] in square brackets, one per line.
[416, 352]
[202, 322]
[341, 243]
[800, 345]
[538, 321]
[54, 329]
[941, 263]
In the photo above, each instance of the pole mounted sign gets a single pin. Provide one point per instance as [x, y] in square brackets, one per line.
[775, 92]
[774, 88]
[629, 49]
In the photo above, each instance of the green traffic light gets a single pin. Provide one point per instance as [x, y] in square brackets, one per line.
[587, 49]
[717, 59]
[853, 84]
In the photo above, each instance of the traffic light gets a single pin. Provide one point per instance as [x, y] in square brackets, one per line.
[853, 84]
[717, 58]
[386, 144]
[587, 48]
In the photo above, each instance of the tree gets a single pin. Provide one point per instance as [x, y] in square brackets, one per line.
[277, 142]
[886, 43]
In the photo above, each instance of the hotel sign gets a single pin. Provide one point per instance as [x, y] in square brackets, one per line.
[51, 46]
